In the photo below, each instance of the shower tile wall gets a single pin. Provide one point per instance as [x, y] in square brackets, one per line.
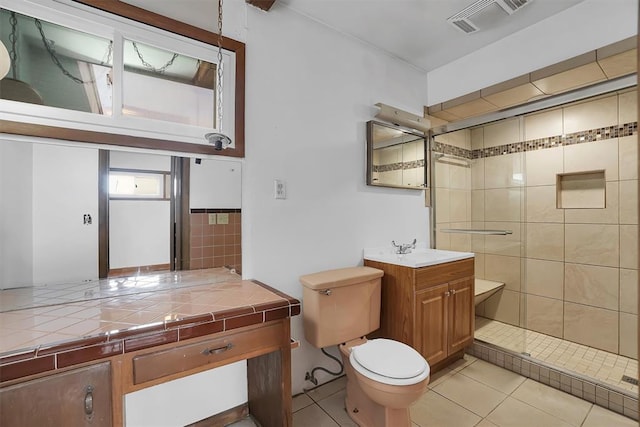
[569, 273]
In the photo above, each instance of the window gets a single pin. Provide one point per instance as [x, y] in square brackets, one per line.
[93, 74]
[130, 184]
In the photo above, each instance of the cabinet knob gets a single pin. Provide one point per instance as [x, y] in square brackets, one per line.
[453, 291]
[447, 294]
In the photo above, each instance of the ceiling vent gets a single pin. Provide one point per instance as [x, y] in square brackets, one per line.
[462, 19]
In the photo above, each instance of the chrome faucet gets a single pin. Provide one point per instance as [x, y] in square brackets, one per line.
[404, 248]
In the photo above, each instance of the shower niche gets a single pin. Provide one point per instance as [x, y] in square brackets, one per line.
[581, 190]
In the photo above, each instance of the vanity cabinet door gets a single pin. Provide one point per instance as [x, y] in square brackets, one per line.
[461, 313]
[431, 323]
[81, 397]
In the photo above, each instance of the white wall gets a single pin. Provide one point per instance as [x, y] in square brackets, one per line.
[65, 187]
[215, 184]
[310, 92]
[587, 26]
[139, 230]
[16, 233]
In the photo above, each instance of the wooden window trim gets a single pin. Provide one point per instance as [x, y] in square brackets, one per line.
[135, 13]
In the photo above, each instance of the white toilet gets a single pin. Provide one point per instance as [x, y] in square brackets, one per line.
[384, 377]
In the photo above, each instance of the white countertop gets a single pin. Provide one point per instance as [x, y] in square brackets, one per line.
[419, 257]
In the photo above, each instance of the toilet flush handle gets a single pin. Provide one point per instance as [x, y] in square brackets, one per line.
[326, 292]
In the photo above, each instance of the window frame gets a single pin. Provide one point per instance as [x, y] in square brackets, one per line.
[117, 20]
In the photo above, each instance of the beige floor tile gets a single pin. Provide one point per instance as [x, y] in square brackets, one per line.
[470, 394]
[301, 401]
[514, 413]
[485, 423]
[313, 416]
[493, 376]
[554, 402]
[600, 417]
[433, 410]
[334, 405]
[328, 389]
[440, 376]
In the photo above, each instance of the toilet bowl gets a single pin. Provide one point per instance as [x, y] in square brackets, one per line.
[384, 377]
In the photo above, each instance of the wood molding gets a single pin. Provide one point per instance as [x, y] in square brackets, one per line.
[262, 4]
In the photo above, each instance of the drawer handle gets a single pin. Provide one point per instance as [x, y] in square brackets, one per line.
[218, 350]
[88, 401]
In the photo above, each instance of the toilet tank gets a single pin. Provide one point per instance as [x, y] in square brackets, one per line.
[340, 305]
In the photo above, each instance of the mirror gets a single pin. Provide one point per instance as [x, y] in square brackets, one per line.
[49, 216]
[395, 157]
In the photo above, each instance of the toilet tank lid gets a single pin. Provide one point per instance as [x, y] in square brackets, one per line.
[339, 277]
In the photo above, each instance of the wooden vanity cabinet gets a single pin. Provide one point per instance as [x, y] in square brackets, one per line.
[79, 397]
[429, 308]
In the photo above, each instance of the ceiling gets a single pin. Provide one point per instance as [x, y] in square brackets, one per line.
[417, 31]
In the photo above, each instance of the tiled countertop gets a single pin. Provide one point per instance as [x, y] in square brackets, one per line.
[90, 321]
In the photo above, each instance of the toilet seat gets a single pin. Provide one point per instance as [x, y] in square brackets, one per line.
[389, 362]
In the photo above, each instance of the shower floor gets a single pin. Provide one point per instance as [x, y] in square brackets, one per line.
[600, 365]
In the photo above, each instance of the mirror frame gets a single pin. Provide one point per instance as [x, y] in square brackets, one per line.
[369, 165]
[153, 19]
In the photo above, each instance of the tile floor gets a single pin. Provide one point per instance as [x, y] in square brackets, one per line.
[469, 393]
[605, 367]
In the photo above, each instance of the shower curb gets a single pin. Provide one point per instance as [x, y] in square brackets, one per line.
[598, 393]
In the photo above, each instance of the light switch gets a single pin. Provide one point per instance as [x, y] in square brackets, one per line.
[223, 218]
[212, 219]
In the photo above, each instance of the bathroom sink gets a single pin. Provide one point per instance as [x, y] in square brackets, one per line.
[419, 257]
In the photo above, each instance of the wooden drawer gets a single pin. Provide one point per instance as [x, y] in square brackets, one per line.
[443, 273]
[226, 349]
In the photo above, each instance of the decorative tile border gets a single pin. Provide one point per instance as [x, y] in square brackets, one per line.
[603, 395]
[399, 166]
[591, 135]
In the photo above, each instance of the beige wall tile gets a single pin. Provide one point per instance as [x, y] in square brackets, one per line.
[504, 269]
[628, 107]
[502, 132]
[460, 177]
[458, 241]
[545, 241]
[593, 156]
[443, 240]
[542, 166]
[477, 138]
[503, 171]
[477, 240]
[442, 175]
[592, 244]
[477, 205]
[442, 202]
[591, 114]
[629, 246]
[544, 315]
[510, 244]
[503, 204]
[541, 205]
[544, 278]
[460, 138]
[504, 307]
[591, 285]
[608, 215]
[543, 125]
[628, 156]
[595, 327]
[479, 265]
[477, 174]
[629, 335]
[629, 291]
[459, 205]
[629, 201]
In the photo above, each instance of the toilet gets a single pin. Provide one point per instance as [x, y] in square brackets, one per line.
[384, 377]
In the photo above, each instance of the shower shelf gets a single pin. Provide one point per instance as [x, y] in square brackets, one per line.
[472, 231]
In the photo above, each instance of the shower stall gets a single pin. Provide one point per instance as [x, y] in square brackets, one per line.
[547, 199]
